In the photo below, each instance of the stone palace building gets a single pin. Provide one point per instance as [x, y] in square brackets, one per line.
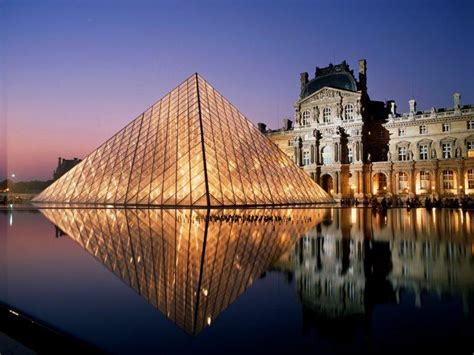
[355, 147]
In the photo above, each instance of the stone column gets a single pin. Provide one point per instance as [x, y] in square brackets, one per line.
[390, 181]
[413, 179]
[461, 180]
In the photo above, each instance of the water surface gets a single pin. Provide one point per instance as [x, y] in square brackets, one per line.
[253, 281]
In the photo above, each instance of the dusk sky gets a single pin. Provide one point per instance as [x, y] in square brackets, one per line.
[73, 73]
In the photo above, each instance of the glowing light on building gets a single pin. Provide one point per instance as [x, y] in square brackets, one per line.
[194, 149]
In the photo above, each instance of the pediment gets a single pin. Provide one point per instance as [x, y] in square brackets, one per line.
[329, 93]
[425, 141]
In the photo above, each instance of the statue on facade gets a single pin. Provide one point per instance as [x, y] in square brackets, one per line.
[389, 156]
[298, 117]
[458, 152]
[316, 114]
[358, 108]
[433, 153]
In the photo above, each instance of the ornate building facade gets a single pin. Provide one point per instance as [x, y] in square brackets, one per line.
[355, 147]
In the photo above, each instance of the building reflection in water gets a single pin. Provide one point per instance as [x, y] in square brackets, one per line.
[190, 264]
[356, 258]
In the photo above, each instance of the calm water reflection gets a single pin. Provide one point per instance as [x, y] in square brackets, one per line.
[319, 280]
[189, 264]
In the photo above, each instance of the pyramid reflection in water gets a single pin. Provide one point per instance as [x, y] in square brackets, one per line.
[191, 148]
[190, 264]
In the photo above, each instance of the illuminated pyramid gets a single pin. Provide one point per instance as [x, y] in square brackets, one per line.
[191, 148]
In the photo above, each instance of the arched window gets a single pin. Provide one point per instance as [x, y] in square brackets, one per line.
[425, 180]
[348, 112]
[306, 116]
[402, 181]
[327, 155]
[380, 183]
[470, 179]
[327, 115]
[448, 179]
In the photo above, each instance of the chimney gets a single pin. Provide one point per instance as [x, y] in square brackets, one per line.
[262, 127]
[59, 161]
[303, 79]
[412, 104]
[363, 74]
[457, 101]
[287, 123]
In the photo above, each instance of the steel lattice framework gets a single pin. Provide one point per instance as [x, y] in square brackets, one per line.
[191, 148]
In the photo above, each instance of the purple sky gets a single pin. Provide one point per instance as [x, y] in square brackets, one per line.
[72, 73]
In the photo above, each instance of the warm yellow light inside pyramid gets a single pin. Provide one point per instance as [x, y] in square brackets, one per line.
[191, 148]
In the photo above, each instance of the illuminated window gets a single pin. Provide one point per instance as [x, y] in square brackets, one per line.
[423, 129]
[402, 181]
[447, 150]
[382, 183]
[306, 120]
[348, 112]
[306, 157]
[424, 152]
[470, 149]
[424, 180]
[401, 131]
[446, 127]
[448, 179]
[327, 115]
[470, 179]
[402, 153]
[470, 124]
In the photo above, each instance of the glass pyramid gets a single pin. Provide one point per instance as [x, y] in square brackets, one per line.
[190, 264]
[191, 148]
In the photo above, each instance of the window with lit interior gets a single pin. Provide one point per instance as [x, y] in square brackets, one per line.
[448, 179]
[424, 180]
[470, 179]
[470, 149]
[402, 181]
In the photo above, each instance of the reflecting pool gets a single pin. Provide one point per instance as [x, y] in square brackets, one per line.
[237, 281]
